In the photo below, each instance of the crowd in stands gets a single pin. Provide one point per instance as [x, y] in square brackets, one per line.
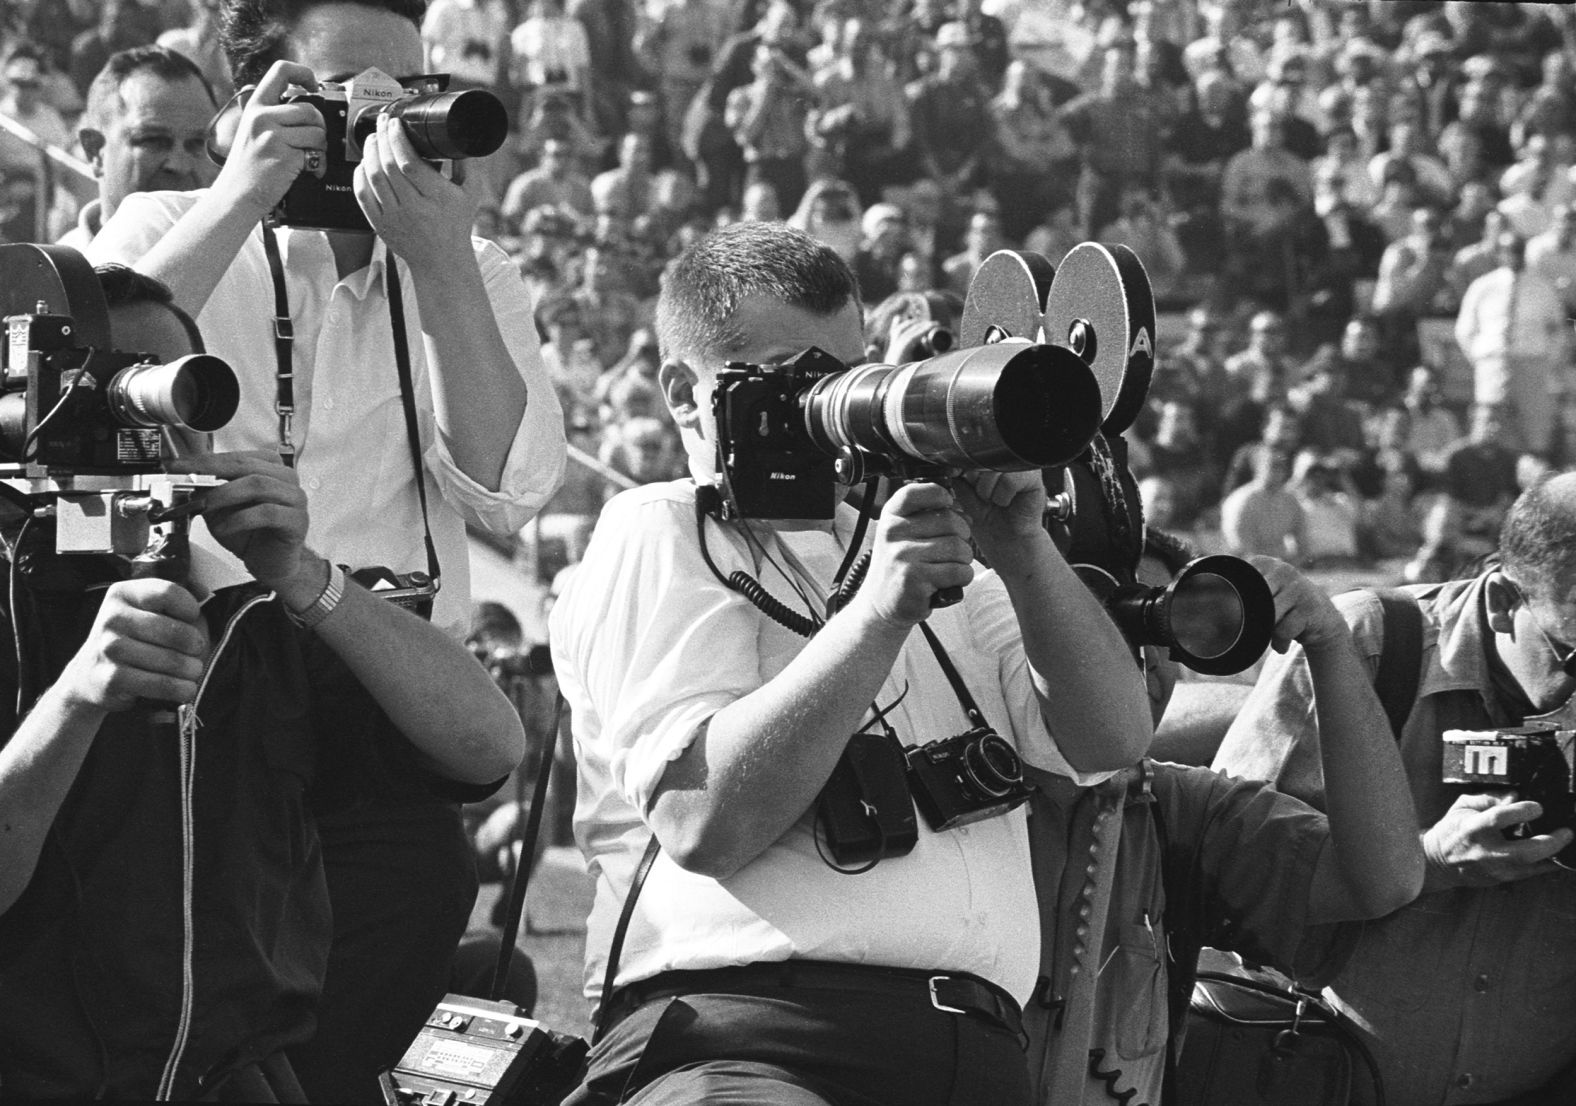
[1359, 218]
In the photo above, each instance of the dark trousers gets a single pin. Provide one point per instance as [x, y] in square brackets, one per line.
[802, 1046]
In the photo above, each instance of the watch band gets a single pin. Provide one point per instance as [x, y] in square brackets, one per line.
[324, 604]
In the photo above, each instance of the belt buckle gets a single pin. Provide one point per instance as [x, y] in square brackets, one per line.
[935, 1000]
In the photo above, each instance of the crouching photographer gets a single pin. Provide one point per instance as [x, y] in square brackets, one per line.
[164, 925]
[392, 359]
[840, 909]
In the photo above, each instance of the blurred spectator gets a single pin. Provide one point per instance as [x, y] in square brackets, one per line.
[1246, 205]
[672, 205]
[569, 357]
[1331, 507]
[709, 141]
[678, 45]
[932, 213]
[1550, 108]
[1033, 159]
[1196, 367]
[1481, 256]
[861, 125]
[466, 39]
[19, 215]
[1283, 262]
[1281, 432]
[550, 54]
[121, 25]
[1432, 428]
[199, 40]
[989, 38]
[1370, 119]
[1414, 283]
[610, 314]
[610, 27]
[829, 212]
[1552, 255]
[1205, 136]
[1265, 364]
[1262, 517]
[555, 182]
[1535, 185]
[644, 448]
[982, 239]
[1144, 228]
[145, 130]
[48, 26]
[949, 112]
[1332, 425]
[1513, 331]
[1120, 131]
[22, 99]
[767, 118]
[1406, 148]
[759, 203]
[1176, 453]
[1057, 233]
[1488, 152]
[1390, 523]
[1462, 525]
[626, 189]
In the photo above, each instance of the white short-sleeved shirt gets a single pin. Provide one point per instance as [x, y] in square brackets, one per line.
[349, 427]
[648, 643]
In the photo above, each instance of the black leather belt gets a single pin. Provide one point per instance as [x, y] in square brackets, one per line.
[948, 992]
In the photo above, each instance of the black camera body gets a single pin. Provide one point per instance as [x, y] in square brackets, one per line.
[966, 778]
[772, 468]
[443, 126]
[1533, 761]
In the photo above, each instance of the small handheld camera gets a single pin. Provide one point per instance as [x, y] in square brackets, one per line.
[84, 427]
[966, 778]
[443, 126]
[1533, 761]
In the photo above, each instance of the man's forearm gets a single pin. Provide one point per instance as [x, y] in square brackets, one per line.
[1374, 864]
[764, 758]
[194, 254]
[477, 394]
[37, 768]
[444, 703]
[1091, 694]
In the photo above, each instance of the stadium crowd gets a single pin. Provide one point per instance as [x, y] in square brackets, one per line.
[1343, 208]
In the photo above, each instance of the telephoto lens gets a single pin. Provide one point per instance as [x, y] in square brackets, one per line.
[447, 125]
[198, 392]
[1011, 406]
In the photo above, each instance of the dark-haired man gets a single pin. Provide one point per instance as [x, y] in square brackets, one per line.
[753, 970]
[489, 447]
[163, 922]
[1469, 994]
[143, 130]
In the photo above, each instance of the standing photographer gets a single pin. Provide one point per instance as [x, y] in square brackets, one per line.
[104, 997]
[1469, 994]
[489, 429]
[754, 969]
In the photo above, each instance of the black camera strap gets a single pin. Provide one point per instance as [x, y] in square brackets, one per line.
[971, 709]
[284, 394]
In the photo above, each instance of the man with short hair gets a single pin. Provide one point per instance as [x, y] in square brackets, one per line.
[144, 130]
[1469, 994]
[105, 996]
[754, 971]
[488, 444]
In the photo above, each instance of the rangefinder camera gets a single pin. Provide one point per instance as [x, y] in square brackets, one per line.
[1532, 761]
[967, 778]
[443, 126]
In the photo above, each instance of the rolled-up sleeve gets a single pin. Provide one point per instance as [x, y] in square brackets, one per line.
[534, 467]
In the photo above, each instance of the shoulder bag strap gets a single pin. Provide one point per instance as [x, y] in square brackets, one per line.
[1401, 657]
[642, 870]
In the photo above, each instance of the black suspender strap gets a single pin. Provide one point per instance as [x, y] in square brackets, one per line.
[1401, 656]
[284, 336]
[407, 395]
[959, 688]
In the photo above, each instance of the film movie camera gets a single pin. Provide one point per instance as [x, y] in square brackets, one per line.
[1217, 614]
[443, 126]
[1533, 761]
[85, 428]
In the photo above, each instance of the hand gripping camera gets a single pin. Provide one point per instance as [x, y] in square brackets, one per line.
[1533, 761]
[1217, 615]
[443, 126]
[85, 428]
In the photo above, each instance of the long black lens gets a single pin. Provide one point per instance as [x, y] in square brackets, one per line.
[1009, 406]
[1216, 617]
[472, 123]
[199, 392]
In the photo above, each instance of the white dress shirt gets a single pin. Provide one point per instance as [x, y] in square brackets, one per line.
[648, 644]
[349, 429]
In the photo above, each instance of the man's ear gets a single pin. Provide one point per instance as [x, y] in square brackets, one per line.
[92, 141]
[677, 380]
[1500, 598]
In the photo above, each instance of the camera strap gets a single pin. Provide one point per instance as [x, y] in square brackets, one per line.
[284, 393]
[971, 709]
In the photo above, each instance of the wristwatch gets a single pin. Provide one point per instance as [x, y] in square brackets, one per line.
[324, 604]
